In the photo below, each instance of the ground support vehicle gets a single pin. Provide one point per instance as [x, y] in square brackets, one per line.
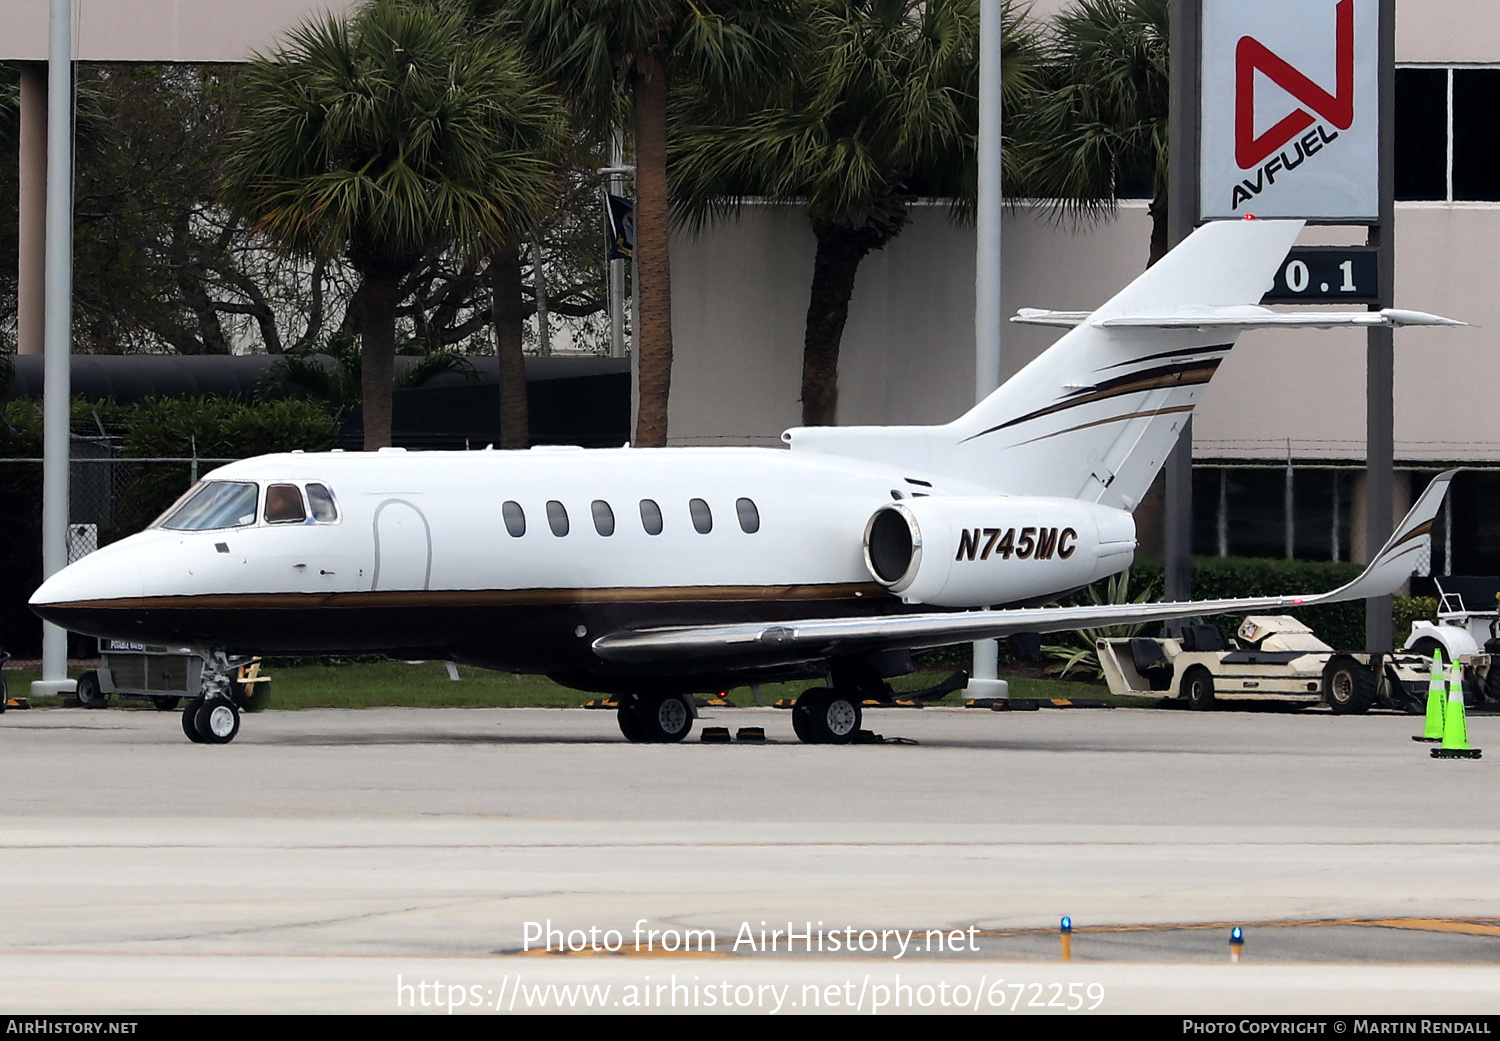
[1276, 658]
[166, 676]
[1467, 630]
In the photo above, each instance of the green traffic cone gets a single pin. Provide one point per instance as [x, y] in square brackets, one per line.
[1455, 726]
[1437, 692]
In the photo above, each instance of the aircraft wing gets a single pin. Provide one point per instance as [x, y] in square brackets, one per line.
[1239, 317]
[815, 638]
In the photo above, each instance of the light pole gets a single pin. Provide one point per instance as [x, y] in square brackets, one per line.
[58, 308]
[984, 681]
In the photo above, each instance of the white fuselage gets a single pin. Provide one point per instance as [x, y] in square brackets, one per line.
[421, 556]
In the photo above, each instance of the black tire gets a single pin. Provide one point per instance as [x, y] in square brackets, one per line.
[88, 693]
[630, 724]
[1491, 682]
[802, 717]
[1198, 689]
[1348, 687]
[218, 721]
[165, 703]
[190, 720]
[1426, 645]
[665, 718]
[834, 717]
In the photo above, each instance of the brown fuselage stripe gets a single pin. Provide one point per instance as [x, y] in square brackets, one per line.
[478, 598]
[1163, 377]
[1111, 419]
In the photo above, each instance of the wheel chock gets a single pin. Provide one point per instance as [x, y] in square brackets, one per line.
[601, 703]
[715, 735]
[753, 734]
[11, 703]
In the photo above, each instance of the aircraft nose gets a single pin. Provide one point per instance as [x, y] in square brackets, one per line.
[106, 574]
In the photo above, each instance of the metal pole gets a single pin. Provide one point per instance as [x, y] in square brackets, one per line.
[59, 307]
[985, 681]
[616, 267]
[1380, 439]
[1184, 116]
[539, 290]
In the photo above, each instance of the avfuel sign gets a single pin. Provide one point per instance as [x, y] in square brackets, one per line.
[1290, 116]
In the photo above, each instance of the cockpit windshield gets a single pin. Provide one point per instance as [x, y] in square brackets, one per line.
[213, 504]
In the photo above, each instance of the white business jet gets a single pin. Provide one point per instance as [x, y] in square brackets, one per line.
[654, 574]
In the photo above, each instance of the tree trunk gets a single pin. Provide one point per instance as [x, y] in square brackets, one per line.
[1159, 244]
[835, 266]
[377, 347]
[509, 311]
[649, 83]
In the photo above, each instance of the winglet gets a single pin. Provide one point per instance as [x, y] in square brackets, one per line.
[1397, 558]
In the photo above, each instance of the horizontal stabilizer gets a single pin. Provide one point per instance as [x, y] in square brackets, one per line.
[819, 638]
[1238, 318]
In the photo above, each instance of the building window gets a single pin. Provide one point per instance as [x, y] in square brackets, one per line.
[1272, 511]
[1448, 135]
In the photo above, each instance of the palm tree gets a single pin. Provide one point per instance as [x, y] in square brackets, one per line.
[1099, 124]
[885, 110]
[597, 49]
[383, 136]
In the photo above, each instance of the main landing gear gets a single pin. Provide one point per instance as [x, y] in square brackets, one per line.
[655, 718]
[832, 715]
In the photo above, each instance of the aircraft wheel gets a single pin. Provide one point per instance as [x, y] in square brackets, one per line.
[88, 693]
[166, 704]
[802, 718]
[630, 723]
[190, 720]
[665, 717]
[218, 721]
[1492, 681]
[1198, 688]
[1348, 687]
[834, 717]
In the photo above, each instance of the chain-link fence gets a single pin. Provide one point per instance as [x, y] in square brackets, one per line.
[109, 497]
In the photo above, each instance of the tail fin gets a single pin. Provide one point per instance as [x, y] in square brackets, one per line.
[1094, 416]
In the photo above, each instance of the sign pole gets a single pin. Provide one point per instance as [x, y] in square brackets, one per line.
[1380, 443]
[1184, 114]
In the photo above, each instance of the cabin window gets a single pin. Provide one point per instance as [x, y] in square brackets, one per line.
[557, 518]
[651, 517]
[703, 518]
[213, 504]
[515, 518]
[604, 517]
[320, 500]
[749, 516]
[284, 504]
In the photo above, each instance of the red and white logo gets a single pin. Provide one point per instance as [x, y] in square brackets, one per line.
[1290, 121]
[1338, 108]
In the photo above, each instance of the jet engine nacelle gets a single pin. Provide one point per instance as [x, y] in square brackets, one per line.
[977, 552]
